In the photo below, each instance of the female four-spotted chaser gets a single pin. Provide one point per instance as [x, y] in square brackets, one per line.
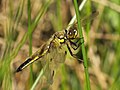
[52, 53]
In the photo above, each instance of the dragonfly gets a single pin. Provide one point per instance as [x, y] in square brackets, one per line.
[53, 52]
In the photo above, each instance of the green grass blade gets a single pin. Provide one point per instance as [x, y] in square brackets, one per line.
[37, 80]
[30, 40]
[34, 24]
[83, 47]
[19, 14]
[40, 13]
[5, 70]
[39, 77]
[59, 24]
[88, 21]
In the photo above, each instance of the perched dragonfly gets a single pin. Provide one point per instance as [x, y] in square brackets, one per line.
[52, 53]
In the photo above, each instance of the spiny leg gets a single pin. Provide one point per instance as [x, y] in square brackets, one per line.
[72, 44]
[74, 55]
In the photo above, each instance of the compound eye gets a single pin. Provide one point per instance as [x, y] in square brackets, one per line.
[72, 33]
[75, 32]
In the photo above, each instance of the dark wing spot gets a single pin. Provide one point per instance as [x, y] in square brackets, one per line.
[53, 73]
[65, 52]
[51, 60]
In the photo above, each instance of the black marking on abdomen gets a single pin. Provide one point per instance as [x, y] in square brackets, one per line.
[23, 64]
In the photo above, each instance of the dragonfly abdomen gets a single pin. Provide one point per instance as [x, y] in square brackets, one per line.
[26, 63]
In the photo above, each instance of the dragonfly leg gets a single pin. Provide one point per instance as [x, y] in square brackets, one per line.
[74, 45]
[78, 39]
[73, 55]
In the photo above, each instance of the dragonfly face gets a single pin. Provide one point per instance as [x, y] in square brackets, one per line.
[66, 35]
[52, 52]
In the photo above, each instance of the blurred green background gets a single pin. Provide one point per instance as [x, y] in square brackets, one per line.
[23, 30]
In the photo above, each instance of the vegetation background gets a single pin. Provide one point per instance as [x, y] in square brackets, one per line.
[26, 24]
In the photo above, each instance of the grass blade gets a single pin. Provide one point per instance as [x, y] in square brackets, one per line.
[30, 40]
[83, 47]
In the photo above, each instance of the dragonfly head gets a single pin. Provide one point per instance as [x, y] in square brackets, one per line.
[72, 33]
[67, 34]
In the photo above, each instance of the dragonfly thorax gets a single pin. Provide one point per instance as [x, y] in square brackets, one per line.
[60, 37]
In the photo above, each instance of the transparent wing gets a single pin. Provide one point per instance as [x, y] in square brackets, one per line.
[86, 19]
[89, 18]
[51, 61]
